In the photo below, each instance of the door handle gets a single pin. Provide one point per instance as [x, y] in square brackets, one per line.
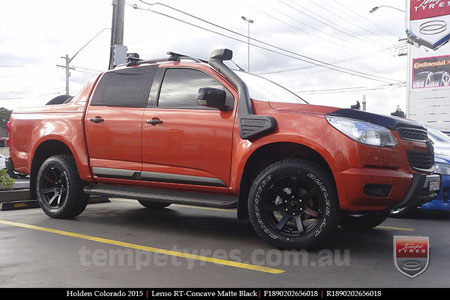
[154, 121]
[97, 120]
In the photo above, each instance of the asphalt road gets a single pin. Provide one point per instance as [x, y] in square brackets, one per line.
[122, 244]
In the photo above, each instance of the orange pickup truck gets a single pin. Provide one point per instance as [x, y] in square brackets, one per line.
[185, 130]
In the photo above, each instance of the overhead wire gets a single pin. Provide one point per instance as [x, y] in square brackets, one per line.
[336, 15]
[291, 54]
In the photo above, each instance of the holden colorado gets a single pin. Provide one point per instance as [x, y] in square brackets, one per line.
[189, 131]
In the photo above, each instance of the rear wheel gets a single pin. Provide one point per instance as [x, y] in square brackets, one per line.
[363, 221]
[59, 188]
[153, 204]
[293, 205]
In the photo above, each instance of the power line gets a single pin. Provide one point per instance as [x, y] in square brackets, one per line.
[298, 28]
[350, 89]
[298, 56]
[340, 17]
[308, 66]
[31, 96]
[327, 23]
[342, 7]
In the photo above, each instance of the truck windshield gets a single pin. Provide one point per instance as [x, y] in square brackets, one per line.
[266, 90]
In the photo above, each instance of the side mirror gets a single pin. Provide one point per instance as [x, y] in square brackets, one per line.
[211, 97]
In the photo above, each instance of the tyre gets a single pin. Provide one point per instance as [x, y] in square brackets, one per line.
[153, 204]
[293, 205]
[441, 78]
[423, 79]
[59, 188]
[363, 222]
[402, 212]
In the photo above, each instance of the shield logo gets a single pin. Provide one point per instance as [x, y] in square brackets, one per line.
[411, 254]
[429, 22]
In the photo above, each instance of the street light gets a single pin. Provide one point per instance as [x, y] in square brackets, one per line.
[408, 75]
[387, 6]
[248, 35]
[69, 59]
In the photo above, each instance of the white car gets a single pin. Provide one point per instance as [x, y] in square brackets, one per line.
[2, 162]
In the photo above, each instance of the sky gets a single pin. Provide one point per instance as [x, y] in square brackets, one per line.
[35, 34]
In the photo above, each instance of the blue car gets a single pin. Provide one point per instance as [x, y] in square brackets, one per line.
[442, 160]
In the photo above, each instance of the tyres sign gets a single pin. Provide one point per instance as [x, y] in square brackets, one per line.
[431, 72]
[429, 24]
[411, 255]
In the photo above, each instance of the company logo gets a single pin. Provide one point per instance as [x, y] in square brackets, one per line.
[421, 9]
[411, 255]
[433, 27]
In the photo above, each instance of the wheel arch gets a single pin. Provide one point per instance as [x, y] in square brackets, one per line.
[43, 151]
[267, 154]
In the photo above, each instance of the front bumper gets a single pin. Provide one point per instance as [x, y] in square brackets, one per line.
[420, 191]
[398, 188]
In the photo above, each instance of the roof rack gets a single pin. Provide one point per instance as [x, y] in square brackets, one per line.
[134, 60]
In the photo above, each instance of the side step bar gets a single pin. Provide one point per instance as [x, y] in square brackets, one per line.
[160, 195]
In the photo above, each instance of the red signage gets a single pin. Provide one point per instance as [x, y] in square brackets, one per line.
[411, 255]
[422, 9]
[411, 248]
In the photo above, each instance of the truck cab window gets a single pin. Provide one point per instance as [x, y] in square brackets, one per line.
[125, 88]
[180, 88]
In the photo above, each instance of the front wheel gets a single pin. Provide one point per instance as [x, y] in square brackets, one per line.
[293, 205]
[363, 221]
[59, 188]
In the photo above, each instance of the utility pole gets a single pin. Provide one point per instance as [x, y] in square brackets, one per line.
[69, 60]
[117, 28]
[248, 36]
[364, 103]
[67, 67]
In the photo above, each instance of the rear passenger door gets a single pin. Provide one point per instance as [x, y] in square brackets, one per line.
[114, 122]
[182, 142]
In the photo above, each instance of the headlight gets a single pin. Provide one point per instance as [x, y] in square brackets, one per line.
[442, 169]
[363, 132]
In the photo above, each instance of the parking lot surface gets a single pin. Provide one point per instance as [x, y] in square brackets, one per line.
[122, 244]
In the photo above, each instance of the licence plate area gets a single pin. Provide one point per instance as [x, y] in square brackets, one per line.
[434, 186]
[433, 183]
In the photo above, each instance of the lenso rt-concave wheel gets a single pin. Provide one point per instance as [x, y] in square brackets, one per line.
[59, 188]
[293, 205]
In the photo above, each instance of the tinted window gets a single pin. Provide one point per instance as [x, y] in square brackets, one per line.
[180, 88]
[127, 87]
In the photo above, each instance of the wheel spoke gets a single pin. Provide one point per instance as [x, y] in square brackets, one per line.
[52, 199]
[59, 199]
[309, 194]
[313, 213]
[280, 192]
[294, 186]
[299, 222]
[50, 190]
[283, 221]
[48, 179]
[277, 207]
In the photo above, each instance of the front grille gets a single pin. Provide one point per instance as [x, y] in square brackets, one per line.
[421, 160]
[412, 134]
